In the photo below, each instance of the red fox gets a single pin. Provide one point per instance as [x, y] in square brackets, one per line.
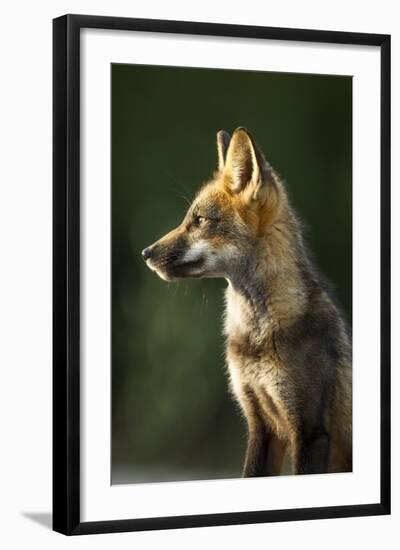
[287, 346]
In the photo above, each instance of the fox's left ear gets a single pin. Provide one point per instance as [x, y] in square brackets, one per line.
[223, 139]
[245, 166]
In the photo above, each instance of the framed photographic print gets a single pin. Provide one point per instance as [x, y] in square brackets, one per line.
[221, 274]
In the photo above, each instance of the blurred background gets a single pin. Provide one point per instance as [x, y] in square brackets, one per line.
[172, 415]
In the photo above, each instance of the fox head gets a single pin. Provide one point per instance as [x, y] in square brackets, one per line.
[228, 221]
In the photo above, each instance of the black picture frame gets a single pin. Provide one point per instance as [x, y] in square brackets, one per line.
[66, 273]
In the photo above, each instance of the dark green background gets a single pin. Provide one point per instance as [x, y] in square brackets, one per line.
[172, 415]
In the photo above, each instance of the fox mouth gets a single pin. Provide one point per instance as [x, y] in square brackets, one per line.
[187, 269]
[173, 270]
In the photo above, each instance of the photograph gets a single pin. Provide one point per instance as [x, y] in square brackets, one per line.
[231, 273]
[198, 273]
[221, 274]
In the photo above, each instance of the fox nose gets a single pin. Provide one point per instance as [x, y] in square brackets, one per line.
[146, 253]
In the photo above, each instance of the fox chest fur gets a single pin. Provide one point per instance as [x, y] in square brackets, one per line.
[259, 378]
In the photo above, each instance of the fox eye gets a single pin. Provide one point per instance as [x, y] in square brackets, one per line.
[199, 220]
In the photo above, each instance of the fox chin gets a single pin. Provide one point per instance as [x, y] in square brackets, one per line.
[288, 348]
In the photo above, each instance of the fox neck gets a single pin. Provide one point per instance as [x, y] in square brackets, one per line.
[263, 298]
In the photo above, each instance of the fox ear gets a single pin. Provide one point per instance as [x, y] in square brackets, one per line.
[223, 139]
[244, 165]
